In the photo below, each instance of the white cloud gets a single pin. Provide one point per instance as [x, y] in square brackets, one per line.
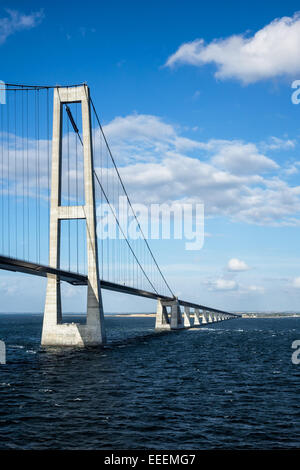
[233, 178]
[256, 289]
[222, 284]
[291, 170]
[160, 165]
[17, 21]
[241, 158]
[275, 143]
[235, 264]
[272, 51]
[225, 284]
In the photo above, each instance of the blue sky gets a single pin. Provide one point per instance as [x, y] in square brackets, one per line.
[202, 92]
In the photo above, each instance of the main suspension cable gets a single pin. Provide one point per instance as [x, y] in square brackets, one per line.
[127, 197]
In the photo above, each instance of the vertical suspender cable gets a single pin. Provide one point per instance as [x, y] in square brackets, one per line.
[8, 175]
[27, 173]
[2, 180]
[39, 176]
[16, 180]
[48, 171]
[23, 173]
[101, 198]
[36, 177]
[108, 247]
[69, 199]
[76, 190]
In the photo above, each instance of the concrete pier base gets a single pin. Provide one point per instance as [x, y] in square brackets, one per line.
[197, 320]
[71, 334]
[2, 352]
[204, 317]
[209, 317]
[176, 316]
[186, 317]
[162, 321]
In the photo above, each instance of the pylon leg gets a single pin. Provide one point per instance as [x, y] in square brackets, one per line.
[56, 333]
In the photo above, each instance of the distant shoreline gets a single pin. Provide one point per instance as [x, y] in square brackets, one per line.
[296, 315]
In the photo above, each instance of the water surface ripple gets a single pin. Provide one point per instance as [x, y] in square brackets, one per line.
[230, 385]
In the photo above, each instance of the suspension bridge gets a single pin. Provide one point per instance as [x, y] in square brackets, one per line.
[56, 167]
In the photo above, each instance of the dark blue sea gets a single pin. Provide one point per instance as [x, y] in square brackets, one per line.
[230, 385]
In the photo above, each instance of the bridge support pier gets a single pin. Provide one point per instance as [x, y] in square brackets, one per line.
[209, 317]
[186, 317]
[56, 333]
[197, 320]
[176, 316]
[162, 321]
[162, 318]
[2, 352]
[204, 317]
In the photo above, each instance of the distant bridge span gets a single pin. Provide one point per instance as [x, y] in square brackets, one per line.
[76, 279]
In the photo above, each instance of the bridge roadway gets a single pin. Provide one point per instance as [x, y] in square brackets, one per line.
[17, 265]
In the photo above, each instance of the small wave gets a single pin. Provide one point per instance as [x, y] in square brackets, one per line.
[16, 346]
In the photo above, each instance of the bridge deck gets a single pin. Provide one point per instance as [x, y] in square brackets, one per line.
[27, 267]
